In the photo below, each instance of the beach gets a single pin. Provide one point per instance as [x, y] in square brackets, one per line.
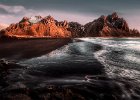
[29, 48]
[78, 69]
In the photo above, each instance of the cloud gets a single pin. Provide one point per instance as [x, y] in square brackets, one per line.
[16, 13]
[13, 9]
[13, 13]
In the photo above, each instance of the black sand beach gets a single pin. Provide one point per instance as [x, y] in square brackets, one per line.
[71, 72]
[29, 48]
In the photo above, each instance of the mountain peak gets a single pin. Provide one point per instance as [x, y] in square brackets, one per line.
[35, 19]
[24, 19]
[49, 17]
[114, 15]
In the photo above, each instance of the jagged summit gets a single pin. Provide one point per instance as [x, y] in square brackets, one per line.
[49, 18]
[35, 19]
[117, 22]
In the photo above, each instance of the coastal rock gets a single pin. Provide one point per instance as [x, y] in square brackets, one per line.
[5, 65]
[17, 97]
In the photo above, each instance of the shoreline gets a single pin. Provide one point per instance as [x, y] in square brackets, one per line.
[92, 86]
[29, 48]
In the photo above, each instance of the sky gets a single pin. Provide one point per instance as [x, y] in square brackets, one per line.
[82, 11]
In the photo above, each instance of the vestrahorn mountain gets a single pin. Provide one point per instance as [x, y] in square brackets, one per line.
[38, 27]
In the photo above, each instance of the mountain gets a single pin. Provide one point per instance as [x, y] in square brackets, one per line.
[38, 27]
[109, 26]
[105, 26]
[76, 29]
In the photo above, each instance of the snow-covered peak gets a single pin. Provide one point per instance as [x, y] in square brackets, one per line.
[35, 19]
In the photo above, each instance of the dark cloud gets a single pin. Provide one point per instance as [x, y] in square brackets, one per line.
[81, 6]
[2, 11]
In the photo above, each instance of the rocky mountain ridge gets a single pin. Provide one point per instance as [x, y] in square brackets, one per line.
[43, 27]
[110, 26]
[105, 26]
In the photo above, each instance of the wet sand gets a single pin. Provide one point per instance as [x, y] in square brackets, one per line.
[29, 48]
[62, 78]
[68, 73]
